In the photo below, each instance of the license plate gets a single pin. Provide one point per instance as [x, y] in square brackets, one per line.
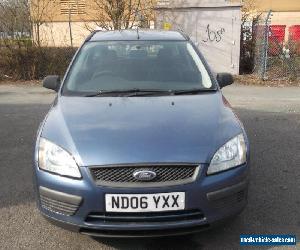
[145, 202]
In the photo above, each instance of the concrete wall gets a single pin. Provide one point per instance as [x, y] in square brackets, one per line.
[80, 10]
[197, 3]
[216, 30]
[277, 5]
[57, 34]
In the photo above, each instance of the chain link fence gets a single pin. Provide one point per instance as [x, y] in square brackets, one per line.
[277, 50]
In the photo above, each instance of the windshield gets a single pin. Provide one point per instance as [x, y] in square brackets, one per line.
[151, 65]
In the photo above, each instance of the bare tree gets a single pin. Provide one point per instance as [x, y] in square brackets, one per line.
[14, 19]
[41, 11]
[250, 20]
[122, 14]
[24, 18]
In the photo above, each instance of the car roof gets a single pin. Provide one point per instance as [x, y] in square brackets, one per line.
[135, 35]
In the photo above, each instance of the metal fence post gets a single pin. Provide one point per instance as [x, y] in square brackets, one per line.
[266, 46]
[70, 27]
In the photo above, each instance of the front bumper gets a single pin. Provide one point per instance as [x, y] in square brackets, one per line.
[209, 199]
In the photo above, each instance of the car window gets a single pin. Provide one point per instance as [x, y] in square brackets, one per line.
[160, 65]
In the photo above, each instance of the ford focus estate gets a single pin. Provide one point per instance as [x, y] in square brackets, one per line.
[139, 140]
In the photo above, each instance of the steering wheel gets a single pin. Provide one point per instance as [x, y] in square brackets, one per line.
[102, 73]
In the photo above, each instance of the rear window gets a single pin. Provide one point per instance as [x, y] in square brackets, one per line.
[160, 65]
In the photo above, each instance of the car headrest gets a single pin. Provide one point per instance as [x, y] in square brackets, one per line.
[109, 55]
[138, 53]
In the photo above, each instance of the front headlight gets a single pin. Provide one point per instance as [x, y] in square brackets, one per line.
[230, 155]
[53, 158]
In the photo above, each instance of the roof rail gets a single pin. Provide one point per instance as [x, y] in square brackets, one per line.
[91, 35]
[186, 36]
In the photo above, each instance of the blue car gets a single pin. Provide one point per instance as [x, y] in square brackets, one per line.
[139, 140]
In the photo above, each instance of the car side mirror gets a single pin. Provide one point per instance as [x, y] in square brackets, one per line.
[224, 79]
[52, 82]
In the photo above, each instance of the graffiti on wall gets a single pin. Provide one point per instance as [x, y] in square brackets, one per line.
[212, 35]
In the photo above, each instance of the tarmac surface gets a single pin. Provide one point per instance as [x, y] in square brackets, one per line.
[272, 119]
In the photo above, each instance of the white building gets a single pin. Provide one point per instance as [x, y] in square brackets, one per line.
[214, 25]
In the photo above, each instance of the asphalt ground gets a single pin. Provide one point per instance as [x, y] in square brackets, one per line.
[272, 119]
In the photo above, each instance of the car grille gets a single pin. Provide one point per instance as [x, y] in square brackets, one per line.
[165, 175]
[144, 218]
[58, 206]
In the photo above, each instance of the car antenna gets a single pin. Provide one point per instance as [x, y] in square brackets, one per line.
[138, 34]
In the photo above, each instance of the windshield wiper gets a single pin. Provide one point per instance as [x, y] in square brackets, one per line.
[142, 92]
[130, 92]
[191, 91]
